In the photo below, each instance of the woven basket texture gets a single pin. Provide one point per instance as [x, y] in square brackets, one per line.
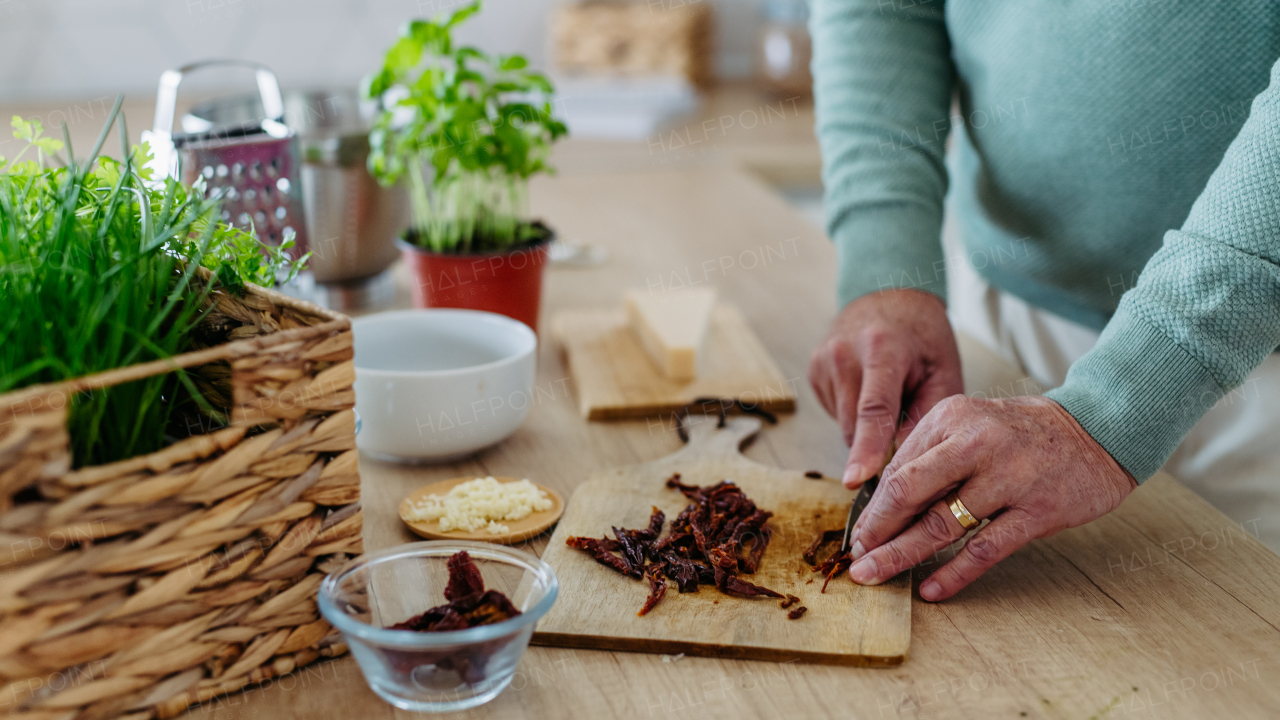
[634, 39]
[138, 588]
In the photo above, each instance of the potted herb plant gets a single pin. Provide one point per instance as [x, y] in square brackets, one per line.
[466, 130]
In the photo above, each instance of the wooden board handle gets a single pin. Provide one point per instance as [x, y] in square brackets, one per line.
[708, 441]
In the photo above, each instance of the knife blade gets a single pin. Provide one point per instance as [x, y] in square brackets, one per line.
[855, 510]
[863, 498]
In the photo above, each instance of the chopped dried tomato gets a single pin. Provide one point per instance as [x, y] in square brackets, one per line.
[720, 534]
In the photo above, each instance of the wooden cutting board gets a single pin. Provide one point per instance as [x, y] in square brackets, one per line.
[848, 625]
[616, 379]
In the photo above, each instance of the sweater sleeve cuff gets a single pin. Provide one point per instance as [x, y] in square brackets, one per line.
[889, 248]
[1137, 393]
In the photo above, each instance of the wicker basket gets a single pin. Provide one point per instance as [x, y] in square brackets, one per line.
[140, 587]
[656, 37]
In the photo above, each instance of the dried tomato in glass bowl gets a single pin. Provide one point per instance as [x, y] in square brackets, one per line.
[439, 626]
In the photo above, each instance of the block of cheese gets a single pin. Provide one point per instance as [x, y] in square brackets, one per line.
[670, 326]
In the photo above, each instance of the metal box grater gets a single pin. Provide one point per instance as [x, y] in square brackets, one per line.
[252, 164]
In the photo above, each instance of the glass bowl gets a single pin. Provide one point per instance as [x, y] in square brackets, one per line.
[434, 671]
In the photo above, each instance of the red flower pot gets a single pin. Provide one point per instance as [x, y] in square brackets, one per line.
[507, 282]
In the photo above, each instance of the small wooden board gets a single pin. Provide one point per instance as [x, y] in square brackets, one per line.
[848, 625]
[616, 379]
[526, 527]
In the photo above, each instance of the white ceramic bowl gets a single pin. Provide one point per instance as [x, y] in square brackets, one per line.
[436, 385]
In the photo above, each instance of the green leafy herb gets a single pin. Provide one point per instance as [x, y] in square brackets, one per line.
[99, 270]
[237, 256]
[468, 129]
[31, 131]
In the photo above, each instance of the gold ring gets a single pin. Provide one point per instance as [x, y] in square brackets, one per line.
[966, 518]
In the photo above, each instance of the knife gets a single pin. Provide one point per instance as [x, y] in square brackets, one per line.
[855, 510]
[861, 500]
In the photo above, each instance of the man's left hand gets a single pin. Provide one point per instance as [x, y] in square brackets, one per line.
[1024, 463]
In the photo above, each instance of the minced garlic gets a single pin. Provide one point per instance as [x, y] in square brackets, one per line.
[480, 503]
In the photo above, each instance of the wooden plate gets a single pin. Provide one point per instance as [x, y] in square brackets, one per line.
[532, 524]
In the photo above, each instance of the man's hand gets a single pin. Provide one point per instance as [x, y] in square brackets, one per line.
[1024, 462]
[886, 351]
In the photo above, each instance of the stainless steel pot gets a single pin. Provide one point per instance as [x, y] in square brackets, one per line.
[352, 221]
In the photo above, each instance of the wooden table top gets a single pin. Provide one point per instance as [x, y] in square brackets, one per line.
[1162, 609]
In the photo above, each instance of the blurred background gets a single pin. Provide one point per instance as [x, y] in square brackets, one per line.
[79, 48]
[643, 85]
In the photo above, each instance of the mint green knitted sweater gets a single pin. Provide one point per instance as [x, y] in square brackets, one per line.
[1116, 162]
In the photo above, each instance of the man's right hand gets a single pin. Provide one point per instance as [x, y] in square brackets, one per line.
[886, 351]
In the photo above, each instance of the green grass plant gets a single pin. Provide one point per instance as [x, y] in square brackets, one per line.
[98, 270]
